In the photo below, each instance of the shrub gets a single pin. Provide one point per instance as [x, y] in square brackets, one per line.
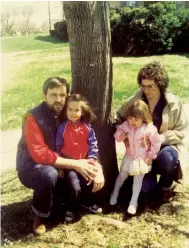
[158, 29]
[52, 32]
[61, 30]
[181, 41]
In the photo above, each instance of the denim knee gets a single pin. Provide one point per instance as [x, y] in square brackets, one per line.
[49, 176]
[149, 182]
[38, 177]
[167, 161]
[74, 183]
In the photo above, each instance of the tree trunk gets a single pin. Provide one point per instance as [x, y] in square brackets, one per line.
[91, 62]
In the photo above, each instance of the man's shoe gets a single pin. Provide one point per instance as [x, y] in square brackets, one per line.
[69, 217]
[95, 209]
[166, 195]
[39, 226]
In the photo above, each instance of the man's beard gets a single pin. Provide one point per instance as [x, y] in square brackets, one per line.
[57, 107]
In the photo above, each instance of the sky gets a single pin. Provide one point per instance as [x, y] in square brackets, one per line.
[40, 10]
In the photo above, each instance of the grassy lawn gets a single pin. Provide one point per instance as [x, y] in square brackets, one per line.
[30, 42]
[163, 227]
[23, 74]
[28, 61]
[23, 86]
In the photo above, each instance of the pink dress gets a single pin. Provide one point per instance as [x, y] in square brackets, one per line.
[137, 151]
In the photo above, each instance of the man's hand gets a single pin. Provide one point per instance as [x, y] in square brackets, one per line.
[98, 181]
[85, 169]
[82, 166]
[94, 163]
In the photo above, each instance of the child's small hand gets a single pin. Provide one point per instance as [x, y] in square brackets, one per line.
[60, 173]
[123, 136]
[148, 161]
[125, 139]
[91, 161]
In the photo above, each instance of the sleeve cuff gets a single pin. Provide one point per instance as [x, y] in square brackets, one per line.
[162, 138]
[54, 158]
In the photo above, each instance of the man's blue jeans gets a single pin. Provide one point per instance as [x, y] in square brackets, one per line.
[42, 179]
[165, 165]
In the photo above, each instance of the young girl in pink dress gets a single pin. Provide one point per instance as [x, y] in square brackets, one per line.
[137, 128]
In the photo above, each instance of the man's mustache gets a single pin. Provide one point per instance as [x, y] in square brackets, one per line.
[59, 104]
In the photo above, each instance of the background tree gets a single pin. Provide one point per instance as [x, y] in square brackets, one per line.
[91, 63]
[44, 26]
[7, 22]
[26, 24]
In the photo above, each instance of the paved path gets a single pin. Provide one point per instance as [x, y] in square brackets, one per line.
[9, 140]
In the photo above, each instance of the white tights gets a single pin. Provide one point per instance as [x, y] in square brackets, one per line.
[137, 185]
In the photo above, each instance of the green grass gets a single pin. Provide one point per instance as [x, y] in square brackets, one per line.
[23, 88]
[30, 42]
[164, 227]
[25, 72]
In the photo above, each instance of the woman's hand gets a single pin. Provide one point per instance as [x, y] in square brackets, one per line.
[145, 142]
[148, 161]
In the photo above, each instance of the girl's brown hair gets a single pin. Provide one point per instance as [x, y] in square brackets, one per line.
[87, 112]
[139, 109]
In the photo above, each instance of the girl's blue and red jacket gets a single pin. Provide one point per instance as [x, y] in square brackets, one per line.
[76, 140]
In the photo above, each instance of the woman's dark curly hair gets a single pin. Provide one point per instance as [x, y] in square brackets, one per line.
[154, 71]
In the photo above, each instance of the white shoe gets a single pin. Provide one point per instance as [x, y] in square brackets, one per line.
[113, 199]
[132, 209]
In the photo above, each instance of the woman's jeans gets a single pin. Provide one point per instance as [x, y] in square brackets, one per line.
[166, 165]
[42, 179]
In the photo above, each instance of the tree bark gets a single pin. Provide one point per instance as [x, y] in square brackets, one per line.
[91, 63]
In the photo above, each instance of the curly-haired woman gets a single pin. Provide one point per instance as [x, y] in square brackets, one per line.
[169, 118]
